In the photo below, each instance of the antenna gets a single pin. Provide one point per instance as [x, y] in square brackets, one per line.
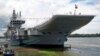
[20, 14]
[75, 9]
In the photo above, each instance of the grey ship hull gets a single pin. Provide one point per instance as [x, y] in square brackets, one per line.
[55, 31]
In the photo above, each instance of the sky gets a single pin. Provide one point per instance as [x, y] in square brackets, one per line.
[34, 11]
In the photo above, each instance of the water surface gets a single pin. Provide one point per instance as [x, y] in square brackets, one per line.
[79, 47]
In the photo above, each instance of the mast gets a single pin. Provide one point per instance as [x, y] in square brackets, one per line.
[14, 16]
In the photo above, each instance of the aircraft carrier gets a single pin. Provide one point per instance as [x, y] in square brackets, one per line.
[53, 32]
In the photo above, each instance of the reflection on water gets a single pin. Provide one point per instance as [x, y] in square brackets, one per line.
[79, 47]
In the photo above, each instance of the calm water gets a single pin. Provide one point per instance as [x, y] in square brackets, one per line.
[80, 47]
[85, 46]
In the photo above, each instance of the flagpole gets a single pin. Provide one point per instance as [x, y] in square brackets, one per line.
[75, 11]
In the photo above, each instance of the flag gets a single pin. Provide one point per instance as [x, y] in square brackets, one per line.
[76, 6]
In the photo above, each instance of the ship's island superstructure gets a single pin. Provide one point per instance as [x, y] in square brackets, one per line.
[52, 33]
